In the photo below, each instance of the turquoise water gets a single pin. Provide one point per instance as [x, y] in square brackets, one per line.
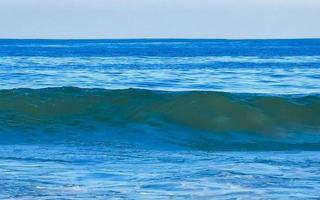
[159, 119]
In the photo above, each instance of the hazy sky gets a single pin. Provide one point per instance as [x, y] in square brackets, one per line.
[159, 18]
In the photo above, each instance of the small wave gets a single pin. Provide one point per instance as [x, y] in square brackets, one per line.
[200, 119]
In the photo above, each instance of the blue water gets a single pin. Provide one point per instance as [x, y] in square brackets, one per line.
[159, 119]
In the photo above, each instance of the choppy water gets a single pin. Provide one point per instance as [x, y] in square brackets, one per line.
[103, 172]
[159, 119]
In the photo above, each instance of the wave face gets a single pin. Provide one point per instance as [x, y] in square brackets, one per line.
[194, 119]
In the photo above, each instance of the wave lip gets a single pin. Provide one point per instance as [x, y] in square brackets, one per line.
[198, 119]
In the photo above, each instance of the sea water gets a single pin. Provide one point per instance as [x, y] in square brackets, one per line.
[159, 119]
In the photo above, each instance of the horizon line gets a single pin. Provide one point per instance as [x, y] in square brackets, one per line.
[162, 38]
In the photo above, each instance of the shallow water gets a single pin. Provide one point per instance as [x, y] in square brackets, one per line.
[60, 172]
[206, 119]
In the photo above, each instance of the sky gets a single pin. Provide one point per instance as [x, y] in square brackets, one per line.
[231, 19]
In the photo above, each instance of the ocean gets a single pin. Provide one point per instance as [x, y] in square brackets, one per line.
[160, 119]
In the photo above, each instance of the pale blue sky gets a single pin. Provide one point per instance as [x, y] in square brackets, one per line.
[159, 19]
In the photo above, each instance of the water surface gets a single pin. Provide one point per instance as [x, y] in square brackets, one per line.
[159, 119]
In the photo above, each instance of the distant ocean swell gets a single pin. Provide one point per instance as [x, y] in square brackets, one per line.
[192, 119]
[144, 61]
